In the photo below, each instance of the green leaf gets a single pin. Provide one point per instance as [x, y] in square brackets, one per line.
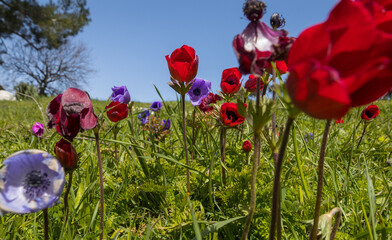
[214, 227]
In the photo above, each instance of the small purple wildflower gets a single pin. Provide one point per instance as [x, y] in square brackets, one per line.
[199, 90]
[38, 129]
[156, 106]
[166, 124]
[143, 116]
[30, 180]
[308, 137]
[120, 94]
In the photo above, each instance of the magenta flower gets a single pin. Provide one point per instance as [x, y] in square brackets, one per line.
[38, 129]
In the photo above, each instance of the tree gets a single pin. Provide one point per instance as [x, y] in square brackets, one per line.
[50, 70]
[42, 24]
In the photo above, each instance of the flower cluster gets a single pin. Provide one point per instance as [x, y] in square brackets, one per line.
[157, 127]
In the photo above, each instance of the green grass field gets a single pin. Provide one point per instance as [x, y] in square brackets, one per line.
[145, 189]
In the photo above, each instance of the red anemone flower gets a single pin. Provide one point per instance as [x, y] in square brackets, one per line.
[370, 112]
[230, 116]
[251, 84]
[117, 111]
[230, 82]
[343, 62]
[183, 64]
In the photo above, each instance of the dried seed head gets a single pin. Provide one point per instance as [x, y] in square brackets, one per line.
[254, 9]
[277, 21]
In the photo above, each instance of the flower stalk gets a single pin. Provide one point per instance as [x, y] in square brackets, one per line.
[256, 162]
[275, 211]
[46, 224]
[320, 176]
[96, 133]
[223, 152]
[188, 185]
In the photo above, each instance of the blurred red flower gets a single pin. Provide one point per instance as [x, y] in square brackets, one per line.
[230, 82]
[251, 84]
[183, 64]
[246, 146]
[342, 63]
[205, 103]
[281, 66]
[230, 116]
[370, 112]
[117, 111]
[339, 121]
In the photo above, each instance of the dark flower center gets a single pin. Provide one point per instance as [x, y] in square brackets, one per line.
[369, 114]
[35, 184]
[231, 116]
[231, 81]
[197, 92]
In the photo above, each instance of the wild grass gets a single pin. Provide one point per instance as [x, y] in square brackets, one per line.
[145, 190]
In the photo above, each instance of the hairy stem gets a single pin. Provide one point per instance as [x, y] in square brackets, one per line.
[320, 176]
[363, 134]
[256, 163]
[257, 141]
[276, 188]
[188, 184]
[66, 208]
[337, 221]
[46, 224]
[100, 182]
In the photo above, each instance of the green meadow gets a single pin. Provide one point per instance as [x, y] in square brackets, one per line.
[145, 188]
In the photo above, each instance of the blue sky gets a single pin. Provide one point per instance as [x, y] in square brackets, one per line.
[128, 40]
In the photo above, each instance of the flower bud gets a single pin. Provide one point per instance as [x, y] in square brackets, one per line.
[66, 155]
[277, 21]
[246, 146]
[254, 10]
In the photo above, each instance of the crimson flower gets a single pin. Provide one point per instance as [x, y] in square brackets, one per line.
[66, 154]
[251, 84]
[230, 82]
[71, 112]
[205, 103]
[246, 146]
[339, 121]
[343, 62]
[183, 64]
[281, 66]
[230, 116]
[117, 111]
[370, 112]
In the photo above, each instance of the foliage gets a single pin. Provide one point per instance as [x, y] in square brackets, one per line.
[22, 89]
[145, 190]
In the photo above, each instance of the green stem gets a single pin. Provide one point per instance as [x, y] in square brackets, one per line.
[278, 169]
[363, 133]
[304, 184]
[188, 185]
[96, 133]
[257, 143]
[223, 152]
[320, 176]
[115, 147]
[256, 163]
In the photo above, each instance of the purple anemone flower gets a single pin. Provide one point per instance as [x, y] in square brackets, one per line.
[166, 124]
[156, 106]
[308, 136]
[120, 94]
[199, 90]
[38, 129]
[30, 180]
[143, 116]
